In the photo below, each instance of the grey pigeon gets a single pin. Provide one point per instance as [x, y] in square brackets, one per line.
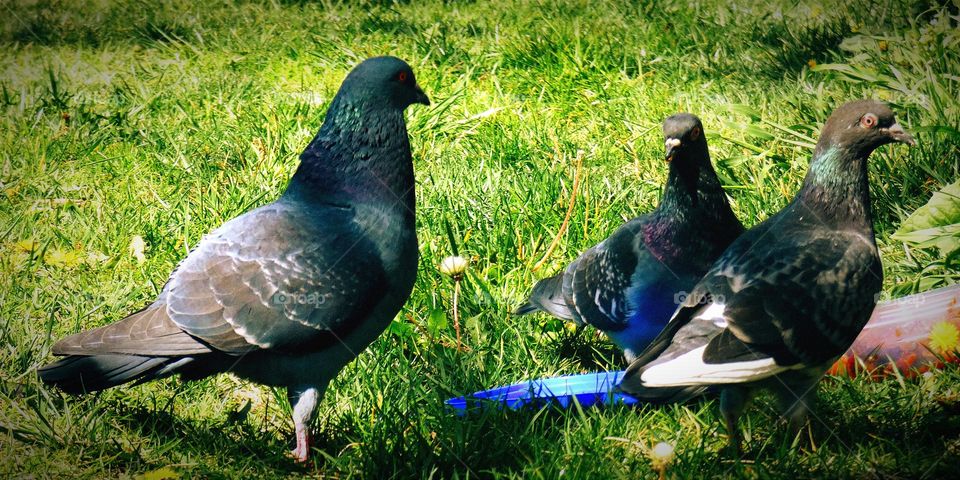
[790, 295]
[288, 293]
[629, 284]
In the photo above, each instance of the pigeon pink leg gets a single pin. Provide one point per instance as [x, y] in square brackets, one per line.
[304, 409]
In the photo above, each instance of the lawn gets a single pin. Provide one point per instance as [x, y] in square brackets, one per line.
[128, 129]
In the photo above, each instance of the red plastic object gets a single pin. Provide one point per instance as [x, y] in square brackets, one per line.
[913, 334]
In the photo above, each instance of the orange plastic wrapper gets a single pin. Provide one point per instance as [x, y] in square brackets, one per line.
[912, 335]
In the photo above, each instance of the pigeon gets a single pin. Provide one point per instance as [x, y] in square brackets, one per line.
[789, 296]
[288, 293]
[629, 284]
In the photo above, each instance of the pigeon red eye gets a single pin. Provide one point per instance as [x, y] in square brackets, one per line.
[695, 133]
[402, 76]
[868, 121]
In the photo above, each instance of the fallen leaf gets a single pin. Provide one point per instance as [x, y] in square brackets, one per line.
[26, 246]
[165, 473]
[63, 258]
[936, 224]
[137, 247]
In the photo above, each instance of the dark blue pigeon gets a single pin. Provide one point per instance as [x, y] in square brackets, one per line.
[289, 293]
[790, 295]
[629, 284]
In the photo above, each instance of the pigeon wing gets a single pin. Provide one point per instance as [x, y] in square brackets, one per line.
[146, 332]
[765, 309]
[599, 279]
[279, 277]
[803, 300]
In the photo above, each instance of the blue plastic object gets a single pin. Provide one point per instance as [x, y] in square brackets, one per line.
[588, 389]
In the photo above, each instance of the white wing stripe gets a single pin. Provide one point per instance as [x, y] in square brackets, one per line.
[690, 369]
[713, 313]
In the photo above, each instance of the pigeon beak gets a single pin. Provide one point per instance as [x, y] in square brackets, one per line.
[671, 146]
[898, 134]
[421, 97]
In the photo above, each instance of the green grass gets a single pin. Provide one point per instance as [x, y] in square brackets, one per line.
[125, 119]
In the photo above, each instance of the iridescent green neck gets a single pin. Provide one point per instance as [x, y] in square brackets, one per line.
[835, 168]
[361, 154]
[692, 183]
[693, 199]
[836, 189]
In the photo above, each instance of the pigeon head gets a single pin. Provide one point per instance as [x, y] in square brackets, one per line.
[693, 189]
[362, 151]
[386, 81]
[859, 127]
[683, 132]
[836, 184]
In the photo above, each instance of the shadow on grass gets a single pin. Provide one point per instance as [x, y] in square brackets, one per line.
[237, 440]
[788, 49]
[588, 349]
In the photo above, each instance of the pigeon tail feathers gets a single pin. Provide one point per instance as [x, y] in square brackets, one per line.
[78, 374]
